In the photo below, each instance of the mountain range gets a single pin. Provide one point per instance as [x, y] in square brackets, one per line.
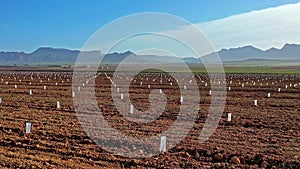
[56, 56]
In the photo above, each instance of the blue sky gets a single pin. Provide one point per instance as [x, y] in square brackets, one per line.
[27, 24]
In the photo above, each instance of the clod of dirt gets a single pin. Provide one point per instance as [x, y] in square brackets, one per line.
[217, 165]
[235, 160]
[264, 164]
[218, 156]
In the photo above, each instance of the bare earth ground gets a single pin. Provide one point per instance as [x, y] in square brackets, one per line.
[263, 136]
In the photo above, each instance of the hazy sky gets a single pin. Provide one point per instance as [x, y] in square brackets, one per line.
[27, 24]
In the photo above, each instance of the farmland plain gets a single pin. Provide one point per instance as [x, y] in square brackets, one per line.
[262, 136]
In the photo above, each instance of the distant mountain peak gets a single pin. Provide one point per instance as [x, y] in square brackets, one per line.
[287, 52]
[247, 47]
[272, 48]
[128, 52]
[287, 45]
[43, 49]
[51, 49]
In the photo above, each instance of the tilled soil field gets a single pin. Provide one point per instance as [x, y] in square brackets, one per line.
[266, 135]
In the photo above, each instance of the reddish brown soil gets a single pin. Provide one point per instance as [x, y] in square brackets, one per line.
[266, 136]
